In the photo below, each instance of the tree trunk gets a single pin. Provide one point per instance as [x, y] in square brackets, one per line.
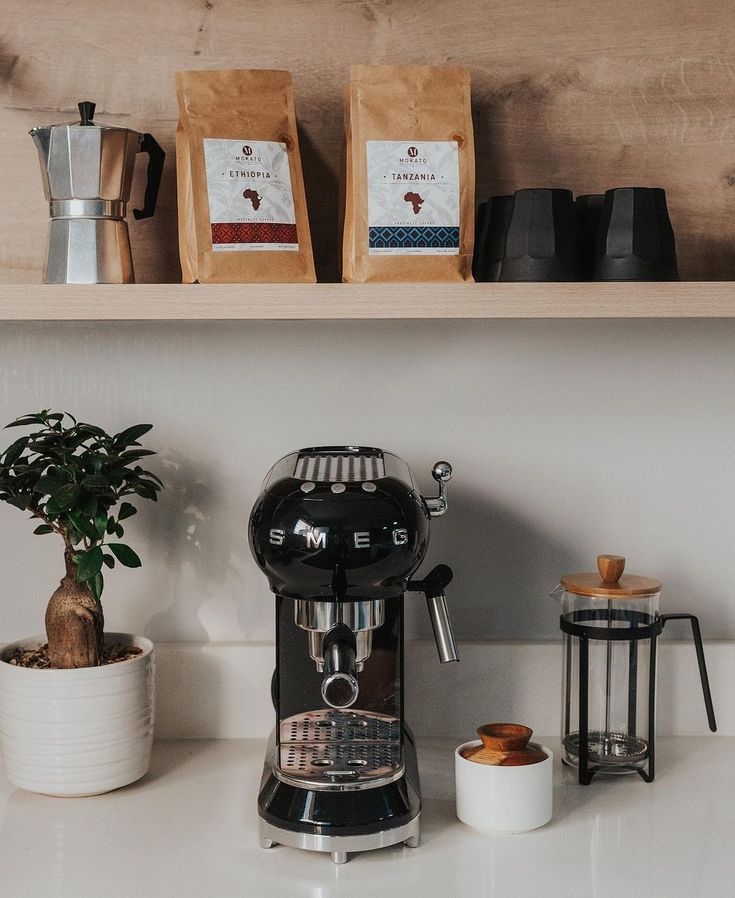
[74, 623]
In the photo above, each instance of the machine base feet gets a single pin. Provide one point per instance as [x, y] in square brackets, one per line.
[340, 847]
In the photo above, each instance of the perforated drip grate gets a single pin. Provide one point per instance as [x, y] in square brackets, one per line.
[331, 746]
[339, 468]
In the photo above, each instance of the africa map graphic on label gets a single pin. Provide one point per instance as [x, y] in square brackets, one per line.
[416, 200]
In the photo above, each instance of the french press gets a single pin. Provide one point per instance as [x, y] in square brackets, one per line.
[611, 624]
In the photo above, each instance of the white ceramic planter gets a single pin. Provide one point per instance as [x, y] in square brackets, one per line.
[77, 732]
[503, 799]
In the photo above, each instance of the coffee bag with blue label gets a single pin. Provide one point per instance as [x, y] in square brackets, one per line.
[410, 182]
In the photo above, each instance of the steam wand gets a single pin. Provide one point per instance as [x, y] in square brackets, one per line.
[433, 586]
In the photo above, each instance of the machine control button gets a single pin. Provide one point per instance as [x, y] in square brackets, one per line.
[307, 487]
[369, 486]
[338, 487]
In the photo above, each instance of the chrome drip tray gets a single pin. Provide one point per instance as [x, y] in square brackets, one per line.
[336, 750]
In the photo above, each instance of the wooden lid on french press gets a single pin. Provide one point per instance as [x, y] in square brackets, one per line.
[609, 582]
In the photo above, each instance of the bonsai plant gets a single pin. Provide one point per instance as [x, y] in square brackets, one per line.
[73, 478]
[71, 721]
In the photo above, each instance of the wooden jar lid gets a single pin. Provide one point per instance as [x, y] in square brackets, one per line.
[504, 745]
[610, 582]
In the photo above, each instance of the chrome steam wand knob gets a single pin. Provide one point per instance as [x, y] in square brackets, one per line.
[442, 473]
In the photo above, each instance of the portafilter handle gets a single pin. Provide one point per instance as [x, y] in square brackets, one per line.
[442, 473]
[433, 587]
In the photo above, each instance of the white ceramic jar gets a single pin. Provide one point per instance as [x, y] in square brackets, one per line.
[503, 799]
[77, 732]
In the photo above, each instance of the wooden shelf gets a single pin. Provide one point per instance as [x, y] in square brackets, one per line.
[177, 302]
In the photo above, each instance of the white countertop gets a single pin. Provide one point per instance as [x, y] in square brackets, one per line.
[190, 829]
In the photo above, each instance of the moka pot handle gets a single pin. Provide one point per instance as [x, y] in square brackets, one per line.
[156, 157]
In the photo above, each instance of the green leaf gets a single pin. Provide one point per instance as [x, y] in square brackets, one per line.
[126, 511]
[102, 524]
[73, 535]
[119, 531]
[48, 484]
[146, 491]
[131, 434]
[88, 504]
[84, 526]
[96, 585]
[95, 483]
[89, 564]
[43, 528]
[25, 421]
[66, 496]
[109, 561]
[14, 451]
[131, 455]
[125, 555]
[91, 430]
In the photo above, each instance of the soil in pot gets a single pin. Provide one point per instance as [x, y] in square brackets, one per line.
[38, 658]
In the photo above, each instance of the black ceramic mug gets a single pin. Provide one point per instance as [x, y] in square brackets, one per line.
[490, 241]
[635, 240]
[541, 243]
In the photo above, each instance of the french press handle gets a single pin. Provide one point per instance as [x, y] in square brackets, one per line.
[697, 637]
[156, 157]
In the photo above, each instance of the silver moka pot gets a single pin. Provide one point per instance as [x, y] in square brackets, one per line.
[87, 174]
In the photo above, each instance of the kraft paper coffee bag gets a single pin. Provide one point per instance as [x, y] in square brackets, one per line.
[242, 207]
[410, 175]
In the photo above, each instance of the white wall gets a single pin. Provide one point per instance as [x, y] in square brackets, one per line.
[567, 438]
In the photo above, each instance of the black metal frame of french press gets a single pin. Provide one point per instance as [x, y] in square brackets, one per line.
[642, 626]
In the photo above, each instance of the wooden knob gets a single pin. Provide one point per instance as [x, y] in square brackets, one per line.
[611, 567]
[504, 737]
[504, 745]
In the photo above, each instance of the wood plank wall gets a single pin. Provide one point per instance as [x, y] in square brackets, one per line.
[567, 93]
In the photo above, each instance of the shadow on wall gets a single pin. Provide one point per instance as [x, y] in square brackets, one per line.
[504, 568]
[200, 562]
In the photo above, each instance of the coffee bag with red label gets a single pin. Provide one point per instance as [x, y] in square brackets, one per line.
[242, 207]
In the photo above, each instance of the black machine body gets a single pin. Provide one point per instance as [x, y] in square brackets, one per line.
[339, 532]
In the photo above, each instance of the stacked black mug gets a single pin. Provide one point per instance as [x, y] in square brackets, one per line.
[542, 234]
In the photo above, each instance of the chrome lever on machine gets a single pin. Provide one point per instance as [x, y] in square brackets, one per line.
[433, 587]
[442, 473]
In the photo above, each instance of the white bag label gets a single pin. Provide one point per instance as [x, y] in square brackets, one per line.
[413, 197]
[250, 198]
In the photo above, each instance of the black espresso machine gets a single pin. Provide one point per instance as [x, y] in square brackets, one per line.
[339, 531]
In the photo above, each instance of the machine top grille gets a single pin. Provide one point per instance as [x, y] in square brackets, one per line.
[339, 467]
